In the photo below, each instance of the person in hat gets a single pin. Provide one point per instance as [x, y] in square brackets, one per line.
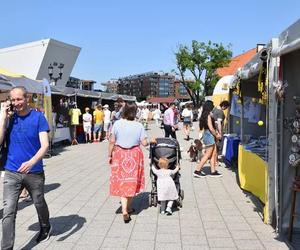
[87, 124]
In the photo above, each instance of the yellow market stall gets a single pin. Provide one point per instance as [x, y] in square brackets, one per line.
[248, 116]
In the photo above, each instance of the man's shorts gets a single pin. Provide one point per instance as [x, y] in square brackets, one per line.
[98, 128]
[106, 126]
[87, 128]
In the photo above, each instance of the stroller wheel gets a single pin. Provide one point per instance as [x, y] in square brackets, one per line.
[181, 194]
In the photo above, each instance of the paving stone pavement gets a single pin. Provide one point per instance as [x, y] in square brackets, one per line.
[216, 213]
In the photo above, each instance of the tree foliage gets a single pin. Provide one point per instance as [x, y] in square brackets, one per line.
[197, 65]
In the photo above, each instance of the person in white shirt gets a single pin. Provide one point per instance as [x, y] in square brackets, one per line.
[187, 115]
[145, 116]
[87, 124]
[107, 115]
[156, 116]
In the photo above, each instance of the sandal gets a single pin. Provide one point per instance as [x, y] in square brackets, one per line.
[126, 218]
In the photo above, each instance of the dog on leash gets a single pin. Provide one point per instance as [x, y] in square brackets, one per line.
[195, 150]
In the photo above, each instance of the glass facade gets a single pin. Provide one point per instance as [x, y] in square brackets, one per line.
[165, 87]
[182, 90]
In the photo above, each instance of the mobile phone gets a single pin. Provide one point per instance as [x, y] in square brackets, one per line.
[11, 107]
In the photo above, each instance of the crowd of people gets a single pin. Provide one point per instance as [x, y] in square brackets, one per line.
[124, 128]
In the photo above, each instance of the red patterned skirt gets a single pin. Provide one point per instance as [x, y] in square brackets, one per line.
[127, 172]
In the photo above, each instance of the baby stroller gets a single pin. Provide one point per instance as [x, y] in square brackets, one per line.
[169, 148]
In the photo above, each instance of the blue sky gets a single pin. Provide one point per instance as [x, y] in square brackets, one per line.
[119, 38]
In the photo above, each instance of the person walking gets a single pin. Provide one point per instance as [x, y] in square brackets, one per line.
[98, 123]
[126, 158]
[107, 114]
[27, 134]
[210, 135]
[87, 124]
[116, 113]
[157, 116]
[169, 121]
[145, 116]
[187, 115]
[219, 117]
[166, 189]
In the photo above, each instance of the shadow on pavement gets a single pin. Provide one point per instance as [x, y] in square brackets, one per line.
[62, 225]
[23, 203]
[139, 203]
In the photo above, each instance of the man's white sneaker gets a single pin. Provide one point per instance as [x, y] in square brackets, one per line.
[169, 211]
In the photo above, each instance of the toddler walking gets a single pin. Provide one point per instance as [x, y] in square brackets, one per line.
[166, 189]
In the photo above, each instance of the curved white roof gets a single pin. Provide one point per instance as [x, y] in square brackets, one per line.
[223, 85]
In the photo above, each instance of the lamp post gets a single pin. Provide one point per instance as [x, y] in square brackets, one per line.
[54, 79]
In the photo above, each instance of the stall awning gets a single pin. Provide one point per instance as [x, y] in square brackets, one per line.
[114, 97]
[32, 86]
[88, 93]
[289, 40]
[62, 91]
[67, 91]
[250, 69]
[5, 85]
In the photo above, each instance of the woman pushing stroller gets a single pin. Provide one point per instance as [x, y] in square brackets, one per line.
[166, 189]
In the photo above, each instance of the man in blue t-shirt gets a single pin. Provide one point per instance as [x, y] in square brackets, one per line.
[27, 135]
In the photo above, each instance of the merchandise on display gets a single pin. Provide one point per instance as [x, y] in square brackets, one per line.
[258, 146]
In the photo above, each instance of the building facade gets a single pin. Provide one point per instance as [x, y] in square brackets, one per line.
[42, 53]
[151, 84]
[77, 83]
[111, 86]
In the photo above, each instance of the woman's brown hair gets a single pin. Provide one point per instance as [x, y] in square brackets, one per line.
[129, 112]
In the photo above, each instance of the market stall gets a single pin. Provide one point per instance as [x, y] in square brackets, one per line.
[247, 125]
[286, 89]
[34, 88]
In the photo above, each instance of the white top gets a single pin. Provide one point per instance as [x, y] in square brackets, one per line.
[156, 114]
[87, 119]
[200, 112]
[107, 114]
[166, 189]
[145, 113]
[187, 113]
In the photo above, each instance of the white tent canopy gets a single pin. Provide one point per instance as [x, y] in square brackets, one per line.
[223, 85]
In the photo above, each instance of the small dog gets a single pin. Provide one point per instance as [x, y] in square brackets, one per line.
[195, 150]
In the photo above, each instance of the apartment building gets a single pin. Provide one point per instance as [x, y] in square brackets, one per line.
[150, 84]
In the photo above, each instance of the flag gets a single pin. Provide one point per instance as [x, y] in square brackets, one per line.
[48, 106]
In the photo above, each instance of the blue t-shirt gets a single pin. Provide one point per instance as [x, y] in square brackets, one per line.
[24, 140]
[128, 133]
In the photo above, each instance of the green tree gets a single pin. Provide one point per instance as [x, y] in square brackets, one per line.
[196, 67]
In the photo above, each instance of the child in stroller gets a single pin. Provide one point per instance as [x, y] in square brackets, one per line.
[166, 189]
[164, 155]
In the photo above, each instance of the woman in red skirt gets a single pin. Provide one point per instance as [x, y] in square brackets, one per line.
[126, 158]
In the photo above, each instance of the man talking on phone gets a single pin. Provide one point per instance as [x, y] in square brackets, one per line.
[26, 131]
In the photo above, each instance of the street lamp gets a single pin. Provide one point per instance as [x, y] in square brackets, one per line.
[53, 79]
